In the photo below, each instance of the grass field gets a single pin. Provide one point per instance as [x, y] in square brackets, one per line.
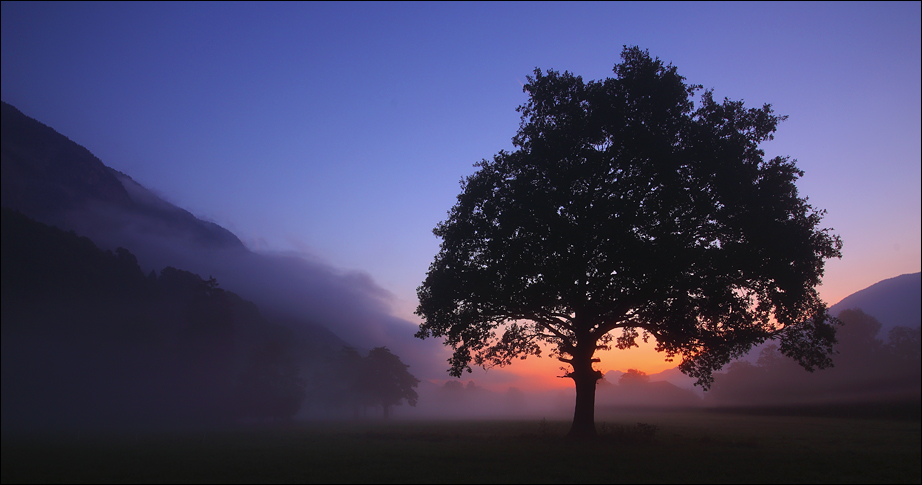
[694, 446]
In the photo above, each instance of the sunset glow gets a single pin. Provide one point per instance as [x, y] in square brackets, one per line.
[331, 137]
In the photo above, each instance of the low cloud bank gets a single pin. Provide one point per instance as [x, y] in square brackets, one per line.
[304, 293]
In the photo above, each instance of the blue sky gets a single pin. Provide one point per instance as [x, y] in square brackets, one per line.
[341, 130]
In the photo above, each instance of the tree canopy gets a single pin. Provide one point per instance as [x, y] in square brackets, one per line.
[625, 212]
[115, 349]
[378, 379]
[633, 377]
[390, 381]
[867, 369]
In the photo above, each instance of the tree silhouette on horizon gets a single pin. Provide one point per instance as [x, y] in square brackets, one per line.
[379, 378]
[627, 212]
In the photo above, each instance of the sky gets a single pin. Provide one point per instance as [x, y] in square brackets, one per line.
[340, 131]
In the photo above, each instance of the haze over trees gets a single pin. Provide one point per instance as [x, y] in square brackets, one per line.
[377, 379]
[894, 302]
[627, 212]
[91, 343]
[53, 180]
[273, 362]
[867, 368]
[635, 389]
[270, 386]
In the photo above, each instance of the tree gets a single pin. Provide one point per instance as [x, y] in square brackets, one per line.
[271, 386]
[624, 212]
[633, 378]
[351, 385]
[857, 338]
[380, 378]
[389, 381]
[904, 343]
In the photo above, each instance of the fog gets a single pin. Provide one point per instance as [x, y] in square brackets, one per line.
[466, 399]
[299, 289]
[330, 309]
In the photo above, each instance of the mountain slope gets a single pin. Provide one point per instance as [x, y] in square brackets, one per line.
[55, 181]
[44, 173]
[894, 302]
[90, 342]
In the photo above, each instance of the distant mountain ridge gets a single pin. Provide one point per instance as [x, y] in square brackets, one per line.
[114, 348]
[44, 172]
[54, 180]
[893, 302]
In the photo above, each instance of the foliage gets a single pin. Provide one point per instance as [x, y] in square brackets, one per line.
[633, 377]
[626, 212]
[904, 344]
[378, 379]
[349, 378]
[112, 347]
[389, 381]
[867, 368]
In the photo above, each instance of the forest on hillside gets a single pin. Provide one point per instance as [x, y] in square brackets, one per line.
[90, 341]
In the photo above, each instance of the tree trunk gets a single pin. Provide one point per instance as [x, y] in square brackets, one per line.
[387, 411]
[585, 378]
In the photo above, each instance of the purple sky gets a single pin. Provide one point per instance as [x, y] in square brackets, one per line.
[340, 130]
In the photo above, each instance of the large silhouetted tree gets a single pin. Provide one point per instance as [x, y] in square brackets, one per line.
[626, 212]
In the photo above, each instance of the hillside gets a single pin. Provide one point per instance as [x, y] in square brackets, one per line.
[58, 182]
[90, 341]
[894, 302]
[51, 179]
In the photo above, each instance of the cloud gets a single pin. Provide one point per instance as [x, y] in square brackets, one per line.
[299, 289]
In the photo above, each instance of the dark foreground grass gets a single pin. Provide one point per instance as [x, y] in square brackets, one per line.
[664, 447]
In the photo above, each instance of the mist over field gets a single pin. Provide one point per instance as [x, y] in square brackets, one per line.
[295, 288]
[299, 294]
[305, 309]
[440, 242]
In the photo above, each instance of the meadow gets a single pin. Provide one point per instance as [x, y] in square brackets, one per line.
[634, 446]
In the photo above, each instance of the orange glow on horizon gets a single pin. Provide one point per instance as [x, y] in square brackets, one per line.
[541, 373]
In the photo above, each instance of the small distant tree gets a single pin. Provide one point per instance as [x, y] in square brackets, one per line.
[377, 379]
[904, 344]
[389, 381]
[633, 378]
[858, 336]
[627, 212]
[453, 386]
